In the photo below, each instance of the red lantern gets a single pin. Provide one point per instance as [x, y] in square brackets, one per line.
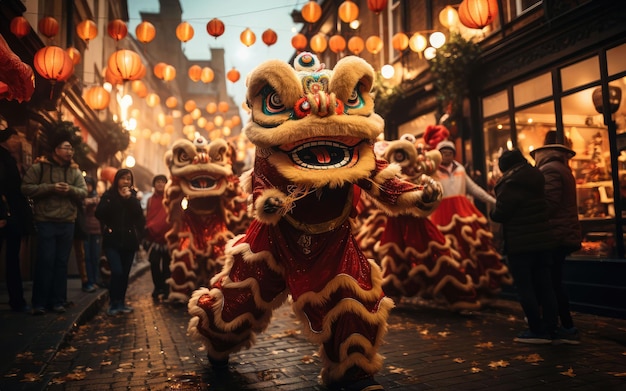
[233, 75]
[112, 78]
[269, 37]
[53, 63]
[211, 107]
[356, 45]
[126, 64]
[476, 14]
[348, 11]
[207, 75]
[319, 43]
[374, 44]
[215, 27]
[337, 43]
[299, 42]
[87, 30]
[222, 107]
[311, 12]
[169, 73]
[171, 102]
[117, 29]
[189, 106]
[145, 32]
[139, 88]
[108, 174]
[48, 26]
[400, 41]
[184, 32]
[74, 54]
[194, 72]
[158, 70]
[20, 26]
[247, 37]
[376, 6]
[97, 98]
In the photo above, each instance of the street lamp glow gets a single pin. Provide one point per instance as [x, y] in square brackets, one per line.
[430, 53]
[387, 71]
[437, 39]
[130, 161]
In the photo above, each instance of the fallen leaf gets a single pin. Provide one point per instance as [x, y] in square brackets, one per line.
[76, 376]
[475, 370]
[620, 374]
[443, 333]
[484, 345]
[498, 364]
[31, 377]
[103, 363]
[569, 372]
[307, 359]
[57, 380]
[531, 358]
[458, 360]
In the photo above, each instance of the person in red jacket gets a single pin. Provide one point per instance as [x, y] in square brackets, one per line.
[155, 243]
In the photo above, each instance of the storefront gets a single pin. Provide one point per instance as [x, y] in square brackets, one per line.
[571, 81]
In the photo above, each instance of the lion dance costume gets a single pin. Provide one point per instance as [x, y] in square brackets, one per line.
[314, 131]
[416, 258]
[205, 205]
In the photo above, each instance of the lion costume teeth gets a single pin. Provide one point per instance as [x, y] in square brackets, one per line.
[312, 162]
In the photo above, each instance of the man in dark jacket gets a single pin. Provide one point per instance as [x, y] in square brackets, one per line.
[560, 188]
[15, 217]
[521, 208]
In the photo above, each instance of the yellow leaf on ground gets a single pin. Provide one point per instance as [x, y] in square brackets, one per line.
[569, 372]
[458, 360]
[475, 370]
[31, 377]
[498, 364]
[484, 345]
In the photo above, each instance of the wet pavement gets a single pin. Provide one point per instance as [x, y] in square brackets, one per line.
[427, 348]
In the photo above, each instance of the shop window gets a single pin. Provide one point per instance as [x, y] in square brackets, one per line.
[515, 8]
[532, 90]
[496, 103]
[532, 124]
[581, 73]
[615, 60]
[589, 137]
[497, 136]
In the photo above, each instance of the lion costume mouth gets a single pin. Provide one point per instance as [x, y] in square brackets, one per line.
[202, 183]
[323, 153]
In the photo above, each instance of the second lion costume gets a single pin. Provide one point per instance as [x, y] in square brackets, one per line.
[314, 131]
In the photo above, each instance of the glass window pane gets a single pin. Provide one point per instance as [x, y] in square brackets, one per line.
[533, 89]
[497, 135]
[581, 73]
[496, 103]
[532, 124]
[589, 137]
[616, 59]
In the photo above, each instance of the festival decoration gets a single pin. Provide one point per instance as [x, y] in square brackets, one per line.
[20, 26]
[348, 11]
[194, 72]
[53, 63]
[374, 44]
[97, 97]
[48, 26]
[207, 75]
[319, 43]
[449, 17]
[158, 70]
[376, 6]
[247, 37]
[233, 75]
[211, 107]
[145, 32]
[418, 43]
[400, 41]
[337, 43]
[311, 12]
[87, 30]
[189, 105]
[215, 27]
[117, 29]
[74, 55]
[184, 32]
[299, 42]
[112, 78]
[171, 102]
[222, 107]
[152, 99]
[269, 37]
[356, 45]
[477, 14]
[126, 64]
[139, 88]
[169, 73]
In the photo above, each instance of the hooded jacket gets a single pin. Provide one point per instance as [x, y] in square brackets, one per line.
[522, 209]
[560, 190]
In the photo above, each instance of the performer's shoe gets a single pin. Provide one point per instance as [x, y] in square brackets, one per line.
[355, 379]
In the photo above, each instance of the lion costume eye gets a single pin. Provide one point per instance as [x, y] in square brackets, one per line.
[355, 100]
[182, 156]
[272, 103]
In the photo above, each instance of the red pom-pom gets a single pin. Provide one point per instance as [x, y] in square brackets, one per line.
[434, 134]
